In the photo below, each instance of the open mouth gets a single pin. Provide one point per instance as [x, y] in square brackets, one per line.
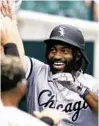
[59, 65]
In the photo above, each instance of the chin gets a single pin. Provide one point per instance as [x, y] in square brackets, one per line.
[55, 71]
[58, 70]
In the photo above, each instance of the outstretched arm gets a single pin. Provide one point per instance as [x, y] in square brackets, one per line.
[11, 33]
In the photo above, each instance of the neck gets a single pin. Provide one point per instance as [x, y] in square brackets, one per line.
[10, 100]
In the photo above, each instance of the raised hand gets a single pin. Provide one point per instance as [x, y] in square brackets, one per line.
[6, 26]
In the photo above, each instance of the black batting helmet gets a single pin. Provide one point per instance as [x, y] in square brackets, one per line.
[70, 35]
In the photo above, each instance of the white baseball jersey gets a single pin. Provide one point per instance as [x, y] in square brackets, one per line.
[1, 104]
[42, 93]
[11, 116]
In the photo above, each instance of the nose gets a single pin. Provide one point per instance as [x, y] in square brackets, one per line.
[57, 55]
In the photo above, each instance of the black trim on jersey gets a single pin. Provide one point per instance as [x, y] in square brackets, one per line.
[30, 68]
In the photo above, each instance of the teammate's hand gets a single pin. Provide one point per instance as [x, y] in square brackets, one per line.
[8, 9]
[6, 27]
[54, 114]
[10, 32]
[9, 29]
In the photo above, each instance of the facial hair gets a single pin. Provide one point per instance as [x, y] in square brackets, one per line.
[69, 65]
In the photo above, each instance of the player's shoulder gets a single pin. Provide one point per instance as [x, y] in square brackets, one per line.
[1, 104]
[88, 79]
[91, 78]
[34, 66]
[29, 119]
[21, 115]
[34, 61]
[12, 110]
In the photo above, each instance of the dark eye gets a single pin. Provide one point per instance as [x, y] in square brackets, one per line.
[65, 51]
[52, 50]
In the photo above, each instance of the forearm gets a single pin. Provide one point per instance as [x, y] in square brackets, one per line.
[92, 100]
[12, 49]
[18, 40]
[20, 48]
[13, 37]
[10, 33]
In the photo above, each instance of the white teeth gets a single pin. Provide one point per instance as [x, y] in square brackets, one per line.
[58, 63]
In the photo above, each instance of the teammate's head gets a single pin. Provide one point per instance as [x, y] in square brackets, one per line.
[12, 77]
[65, 49]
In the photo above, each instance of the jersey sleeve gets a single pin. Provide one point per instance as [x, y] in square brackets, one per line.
[32, 66]
[96, 88]
[92, 83]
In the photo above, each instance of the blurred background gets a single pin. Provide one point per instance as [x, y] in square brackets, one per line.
[85, 9]
[36, 19]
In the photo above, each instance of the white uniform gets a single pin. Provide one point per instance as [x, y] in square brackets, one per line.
[11, 116]
[1, 104]
[42, 93]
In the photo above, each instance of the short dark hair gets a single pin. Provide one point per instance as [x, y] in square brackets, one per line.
[12, 72]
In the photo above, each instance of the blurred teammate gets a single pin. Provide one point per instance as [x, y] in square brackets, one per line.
[13, 86]
[62, 83]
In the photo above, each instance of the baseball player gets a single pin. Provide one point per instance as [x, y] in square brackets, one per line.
[13, 87]
[62, 83]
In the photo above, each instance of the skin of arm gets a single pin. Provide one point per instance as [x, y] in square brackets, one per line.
[92, 100]
[11, 32]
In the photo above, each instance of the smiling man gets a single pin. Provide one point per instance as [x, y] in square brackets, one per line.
[65, 49]
[62, 83]
[59, 56]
